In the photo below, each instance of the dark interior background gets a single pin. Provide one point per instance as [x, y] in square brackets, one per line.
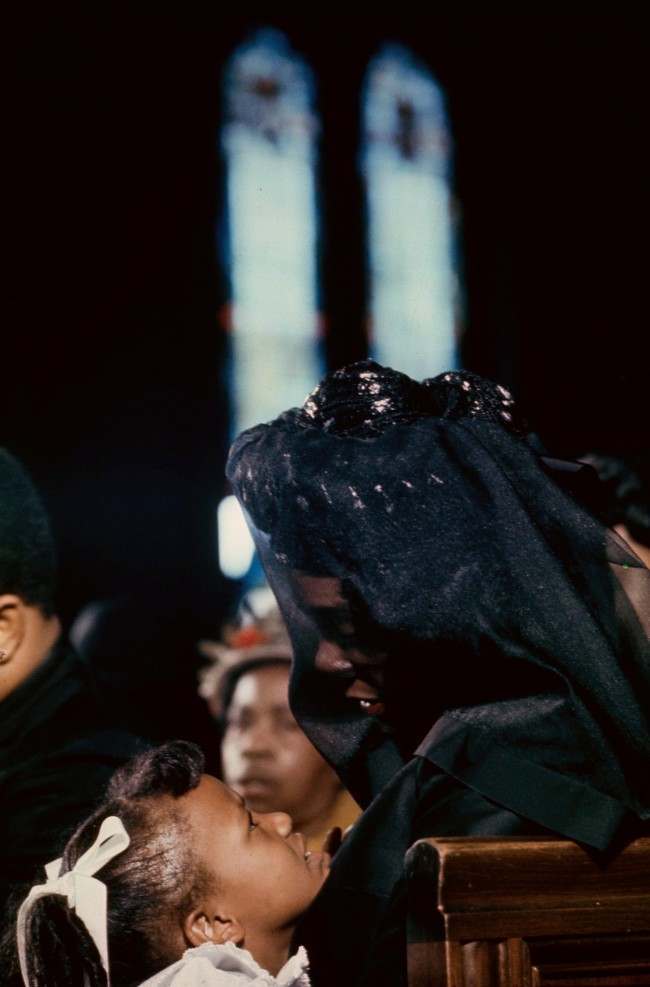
[113, 350]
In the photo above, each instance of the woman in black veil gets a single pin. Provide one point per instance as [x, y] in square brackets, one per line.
[471, 644]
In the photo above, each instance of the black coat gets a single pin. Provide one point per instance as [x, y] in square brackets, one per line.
[57, 753]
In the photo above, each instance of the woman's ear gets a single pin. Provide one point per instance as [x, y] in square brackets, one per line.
[200, 927]
[12, 624]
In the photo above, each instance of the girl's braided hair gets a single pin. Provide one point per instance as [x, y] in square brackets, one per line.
[154, 882]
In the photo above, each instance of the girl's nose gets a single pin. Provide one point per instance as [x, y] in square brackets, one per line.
[278, 822]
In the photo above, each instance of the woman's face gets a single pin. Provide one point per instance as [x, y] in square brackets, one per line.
[266, 757]
[346, 650]
[382, 673]
[262, 871]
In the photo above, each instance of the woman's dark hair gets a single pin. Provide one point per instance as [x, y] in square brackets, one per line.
[156, 879]
[27, 558]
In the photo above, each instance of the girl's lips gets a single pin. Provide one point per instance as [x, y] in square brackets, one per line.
[318, 860]
[315, 860]
[298, 844]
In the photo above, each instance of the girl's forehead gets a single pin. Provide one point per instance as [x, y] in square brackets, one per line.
[212, 798]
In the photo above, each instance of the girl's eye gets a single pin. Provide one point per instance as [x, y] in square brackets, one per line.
[251, 823]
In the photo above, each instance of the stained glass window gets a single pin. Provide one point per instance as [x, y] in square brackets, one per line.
[269, 144]
[407, 169]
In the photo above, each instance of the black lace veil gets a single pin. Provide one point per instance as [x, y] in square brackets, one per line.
[475, 565]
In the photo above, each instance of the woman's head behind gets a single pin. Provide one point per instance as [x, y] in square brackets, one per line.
[197, 866]
[265, 755]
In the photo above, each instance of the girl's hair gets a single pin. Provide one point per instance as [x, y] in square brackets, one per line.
[155, 881]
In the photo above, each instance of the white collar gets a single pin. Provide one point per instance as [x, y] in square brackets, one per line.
[228, 965]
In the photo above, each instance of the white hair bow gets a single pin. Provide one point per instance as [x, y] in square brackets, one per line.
[85, 894]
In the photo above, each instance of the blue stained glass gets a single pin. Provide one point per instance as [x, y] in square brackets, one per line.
[407, 167]
[269, 144]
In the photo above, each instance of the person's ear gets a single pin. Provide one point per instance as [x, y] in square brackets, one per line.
[12, 625]
[200, 927]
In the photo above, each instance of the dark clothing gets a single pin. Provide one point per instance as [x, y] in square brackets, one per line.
[508, 621]
[404, 526]
[355, 932]
[57, 753]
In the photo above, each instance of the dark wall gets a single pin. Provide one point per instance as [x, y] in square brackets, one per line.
[112, 353]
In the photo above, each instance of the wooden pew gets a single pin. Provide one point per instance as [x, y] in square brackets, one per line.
[527, 912]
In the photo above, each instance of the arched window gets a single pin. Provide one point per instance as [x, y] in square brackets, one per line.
[406, 158]
[269, 145]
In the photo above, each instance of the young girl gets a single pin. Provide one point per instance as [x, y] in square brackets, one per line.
[165, 882]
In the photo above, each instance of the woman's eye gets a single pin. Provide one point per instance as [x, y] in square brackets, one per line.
[238, 721]
[251, 823]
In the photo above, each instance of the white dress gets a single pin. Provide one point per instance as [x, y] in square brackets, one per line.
[229, 966]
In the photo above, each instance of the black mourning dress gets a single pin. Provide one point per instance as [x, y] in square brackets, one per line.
[58, 751]
[512, 627]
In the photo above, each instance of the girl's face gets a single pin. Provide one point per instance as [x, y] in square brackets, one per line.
[263, 873]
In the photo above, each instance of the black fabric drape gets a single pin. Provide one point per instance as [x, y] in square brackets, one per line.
[511, 621]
